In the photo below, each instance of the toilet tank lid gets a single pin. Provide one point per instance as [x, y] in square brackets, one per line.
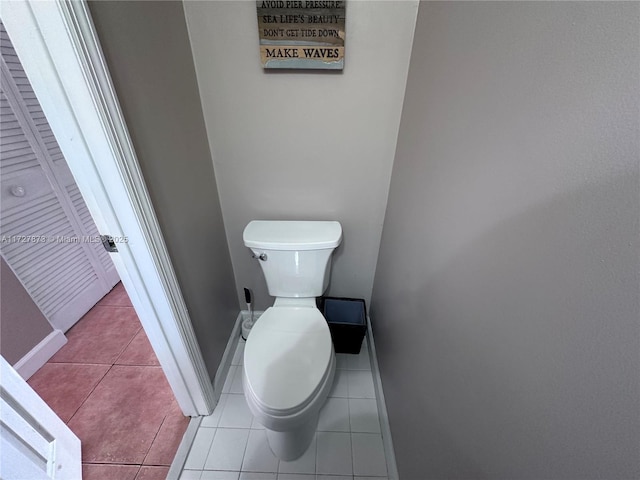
[292, 235]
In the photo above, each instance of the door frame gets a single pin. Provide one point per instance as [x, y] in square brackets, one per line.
[60, 52]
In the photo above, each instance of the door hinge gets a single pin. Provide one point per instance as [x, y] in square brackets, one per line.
[109, 243]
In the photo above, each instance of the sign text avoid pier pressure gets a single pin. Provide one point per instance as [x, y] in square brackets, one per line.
[305, 34]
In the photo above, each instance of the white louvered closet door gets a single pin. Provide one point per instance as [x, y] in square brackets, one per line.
[48, 237]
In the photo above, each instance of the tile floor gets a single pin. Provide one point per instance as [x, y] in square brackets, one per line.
[107, 385]
[231, 445]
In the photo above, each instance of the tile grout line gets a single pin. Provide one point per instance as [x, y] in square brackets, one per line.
[78, 363]
[115, 310]
[351, 432]
[246, 445]
[353, 470]
[88, 394]
[316, 465]
[128, 343]
[118, 465]
[154, 438]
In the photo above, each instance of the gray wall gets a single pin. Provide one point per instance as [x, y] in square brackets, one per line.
[303, 145]
[22, 325]
[148, 53]
[505, 304]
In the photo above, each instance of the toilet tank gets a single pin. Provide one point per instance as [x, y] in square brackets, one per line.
[295, 256]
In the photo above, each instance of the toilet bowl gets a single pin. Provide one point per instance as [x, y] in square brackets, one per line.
[289, 365]
[289, 362]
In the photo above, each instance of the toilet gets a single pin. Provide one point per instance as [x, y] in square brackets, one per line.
[289, 362]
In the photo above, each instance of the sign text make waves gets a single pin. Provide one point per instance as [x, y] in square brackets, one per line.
[307, 34]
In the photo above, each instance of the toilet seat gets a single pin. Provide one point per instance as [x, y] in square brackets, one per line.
[287, 358]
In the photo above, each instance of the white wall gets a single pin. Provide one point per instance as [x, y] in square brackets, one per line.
[304, 145]
[146, 47]
[506, 303]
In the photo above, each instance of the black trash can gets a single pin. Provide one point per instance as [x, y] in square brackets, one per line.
[347, 319]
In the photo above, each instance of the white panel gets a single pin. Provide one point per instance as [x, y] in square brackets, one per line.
[15, 151]
[49, 237]
[51, 269]
[90, 227]
[35, 443]
[19, 463]
[13, 420]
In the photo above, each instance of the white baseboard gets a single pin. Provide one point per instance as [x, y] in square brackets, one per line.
[227, 357]
[180, 457]
[230, 350]
[40, 354]
[387, 441]
[221, 374]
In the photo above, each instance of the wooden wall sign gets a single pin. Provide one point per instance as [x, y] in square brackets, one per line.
[302, 33]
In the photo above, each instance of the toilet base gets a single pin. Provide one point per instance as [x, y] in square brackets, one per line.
[291, 444]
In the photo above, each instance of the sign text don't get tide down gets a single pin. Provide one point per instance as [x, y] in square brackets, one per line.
[302, 34]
